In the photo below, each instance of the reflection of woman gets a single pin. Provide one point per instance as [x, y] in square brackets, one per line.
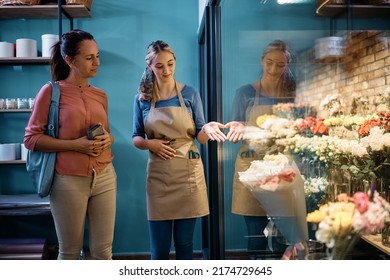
[275, 85]
[168, 116]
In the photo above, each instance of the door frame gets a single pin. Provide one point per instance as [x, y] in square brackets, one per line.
[210, 87]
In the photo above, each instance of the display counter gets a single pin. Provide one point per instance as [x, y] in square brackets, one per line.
[375, 240]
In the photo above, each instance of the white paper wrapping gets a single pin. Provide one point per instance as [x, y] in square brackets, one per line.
[285, 202]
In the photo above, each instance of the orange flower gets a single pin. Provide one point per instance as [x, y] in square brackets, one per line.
[320, 128]
[310, 120]
[364, 129]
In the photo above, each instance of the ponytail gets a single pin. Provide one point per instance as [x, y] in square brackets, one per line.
[59, 68]
[146, 85]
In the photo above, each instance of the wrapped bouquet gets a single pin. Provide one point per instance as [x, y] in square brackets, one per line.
[278, 186]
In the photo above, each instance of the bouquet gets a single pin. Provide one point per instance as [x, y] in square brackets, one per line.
[278, 186]
[341, 223]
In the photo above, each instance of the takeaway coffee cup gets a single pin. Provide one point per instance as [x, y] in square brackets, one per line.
[48, 40]
[26, 48]
[6, 49]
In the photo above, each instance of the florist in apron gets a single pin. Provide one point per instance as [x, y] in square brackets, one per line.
[176, 187]
[171, 116]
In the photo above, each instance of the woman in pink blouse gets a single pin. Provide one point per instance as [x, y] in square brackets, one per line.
[84, 185]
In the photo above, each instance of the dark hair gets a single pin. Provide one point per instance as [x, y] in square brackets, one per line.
[147, 88]
[68, 45]
[288, 80]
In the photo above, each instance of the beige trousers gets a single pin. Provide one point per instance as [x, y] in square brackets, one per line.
[73, 199]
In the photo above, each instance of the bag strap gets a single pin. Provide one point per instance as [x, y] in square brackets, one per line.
[52, 123]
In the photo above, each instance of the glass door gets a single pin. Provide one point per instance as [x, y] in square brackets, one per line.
[323, 46]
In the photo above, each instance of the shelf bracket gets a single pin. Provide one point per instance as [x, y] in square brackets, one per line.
[59, 11]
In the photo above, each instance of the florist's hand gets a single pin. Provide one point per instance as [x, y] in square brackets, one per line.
[161, 148]
[213, 131]
[236, 131]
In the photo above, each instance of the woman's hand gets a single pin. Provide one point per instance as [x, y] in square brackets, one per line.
[80, 145]
[213, 131]
[85, 146]
[161, 148]
[96, 146]
[236, 131]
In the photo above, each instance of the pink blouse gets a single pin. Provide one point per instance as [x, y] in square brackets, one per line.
[79, 109]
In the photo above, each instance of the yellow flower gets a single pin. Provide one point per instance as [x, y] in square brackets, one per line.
[339, 215]
[261, 119]
[341, 223]
[315, 217]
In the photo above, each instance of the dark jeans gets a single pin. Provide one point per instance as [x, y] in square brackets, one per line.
[256, 239]
[161, 237]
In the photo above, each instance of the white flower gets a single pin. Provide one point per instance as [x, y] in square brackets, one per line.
[315, 185]
[324, 233]
[386, 139]
[261, 169]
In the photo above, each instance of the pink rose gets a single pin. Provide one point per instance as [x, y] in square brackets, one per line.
[362, 202]
[287, 175]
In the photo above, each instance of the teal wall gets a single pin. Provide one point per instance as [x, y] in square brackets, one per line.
[122, 29]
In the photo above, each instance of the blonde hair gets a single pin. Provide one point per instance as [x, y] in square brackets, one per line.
[148, 89]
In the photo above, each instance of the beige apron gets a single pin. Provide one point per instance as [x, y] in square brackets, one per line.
[243, 201]
[176, 188]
